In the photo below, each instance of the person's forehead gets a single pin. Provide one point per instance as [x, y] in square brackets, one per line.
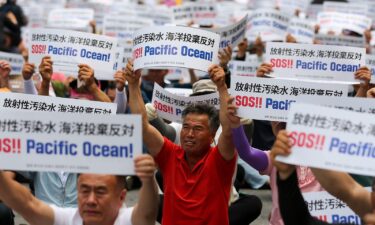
[96, 180]
[195, 118]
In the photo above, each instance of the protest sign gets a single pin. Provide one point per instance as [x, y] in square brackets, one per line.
[40, 141]
[330, 209]
[268, 20]
[70, 48]
[243, 68]
[302, 30]
[175, 47]
[37, 103]
[170, 106]
[15, 61]
[186, 92]
[313, 10]
[341, 40]
[123, 27]
[270, 99]
[345, 7]
[291, 6]
[335, 21]
[330, 138]
[72, 18]
[315, 62]
[232, 34]
[370, 63]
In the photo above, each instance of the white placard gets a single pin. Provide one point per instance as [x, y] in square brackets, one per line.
[175, 47]
[370, 63]
[270, 99]
[291, 6]
[186, 92]
[315, 62]
[243, 68]
[330, 209]
[70, 48]
[302, 30]
[72, 18]
[335, 21]
[344, 7]
[233, 34]
[15, 61]
[268, 20]
[341, 40]
[38, 103]
[39, 141]
[330, 138]
[123, 27]
[170, 106]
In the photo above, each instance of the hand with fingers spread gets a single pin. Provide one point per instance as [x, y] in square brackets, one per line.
[264, 68]
[242, 48]
[86, 75]
[145, 167]
[120, 79]
[282, 147]
[234, 120]
[5, 69]
[371, 93]
[28, 70]
[132, 77]
[225, 55]
[217, 76]
[46, 68]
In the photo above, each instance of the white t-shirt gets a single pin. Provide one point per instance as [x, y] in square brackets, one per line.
[70, 216]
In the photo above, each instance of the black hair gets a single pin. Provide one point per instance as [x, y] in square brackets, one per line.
[204, 109]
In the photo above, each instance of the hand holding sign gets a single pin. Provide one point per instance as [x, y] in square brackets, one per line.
[28, 70]
[86, 75]
[225, 55]
[364, 75]
[120, 79]
[234, 120]
[144, 166]
[217, 75]
[242, 48]
[4, 68]
[46, 69]
[132, 77]
[371, 93]
[282, 147]
[265, 68]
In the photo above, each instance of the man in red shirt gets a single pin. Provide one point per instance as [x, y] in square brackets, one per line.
[197, 177]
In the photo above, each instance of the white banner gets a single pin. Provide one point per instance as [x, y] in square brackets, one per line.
[335, 21]
[315, 62]
[170, 106]
[72, 18]
[70, 48]
[37, 103]
[243, 68]
[268, 20]
[175, 47]
[330, 209]
[123, 27]
[15, 61]
[302, 30]
[344, 7]
[341, 40]
[270, 99]
[233, 34]
[37, 141]
[332, 139]
[370, 63]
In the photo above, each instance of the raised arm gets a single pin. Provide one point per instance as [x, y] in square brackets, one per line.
[226, 146]
[146, 209]
[343, 186]
[45, 70]
[152, 138]
[21, 200]
[121, 98]
[28, 70]
[86, 75]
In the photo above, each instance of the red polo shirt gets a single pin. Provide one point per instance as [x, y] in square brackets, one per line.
[199, 196]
